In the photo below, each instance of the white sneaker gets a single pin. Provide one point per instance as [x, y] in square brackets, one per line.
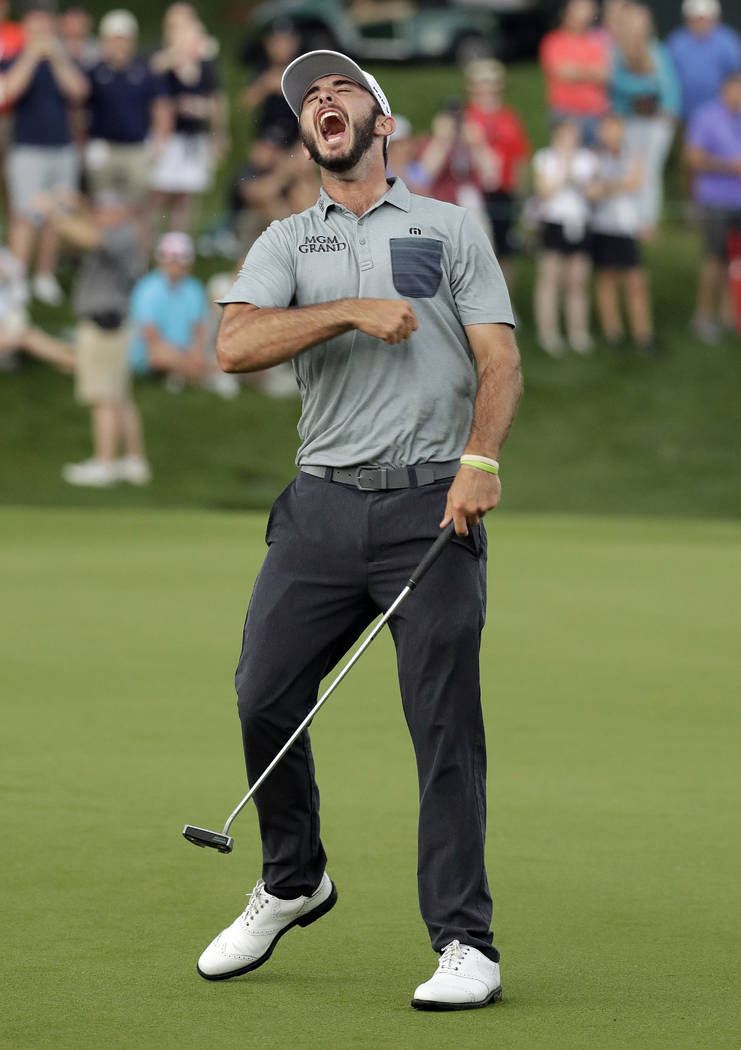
[46, 289]
[251, 938]
[97, 473]
[464, 980]
[134, 469]
[581, 343]
[222, 383]
[553, 345]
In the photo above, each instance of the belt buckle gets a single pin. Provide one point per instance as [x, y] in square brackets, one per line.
[382, 472]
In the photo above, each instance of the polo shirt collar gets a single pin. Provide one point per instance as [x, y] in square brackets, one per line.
[397, 194]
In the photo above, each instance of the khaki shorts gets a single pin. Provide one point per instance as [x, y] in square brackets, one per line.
[101, 364]
[125, 169]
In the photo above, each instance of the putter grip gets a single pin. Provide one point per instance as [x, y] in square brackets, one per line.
[432, 554]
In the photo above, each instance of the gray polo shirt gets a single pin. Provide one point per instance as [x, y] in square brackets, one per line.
[365, 401]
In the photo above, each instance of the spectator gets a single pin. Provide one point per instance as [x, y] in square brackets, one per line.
[645, 91]
[714, 158]
[169, 314]
[704, 52]
[106, 236]
[562, 173]
[612, 20]
[40, 82]
[615, 191]
[458, 164]
[75, 28]
[184, 169]
[11, 43]
[274, 183]
[576, 62]
[16, 330]
[272, 114]
[507, 138]
[130, 115]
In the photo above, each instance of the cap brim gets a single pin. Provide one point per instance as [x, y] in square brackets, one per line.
[304, 70]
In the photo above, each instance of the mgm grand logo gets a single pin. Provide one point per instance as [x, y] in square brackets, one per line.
[322, 244]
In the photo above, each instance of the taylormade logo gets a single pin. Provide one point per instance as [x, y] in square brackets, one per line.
[322, 244]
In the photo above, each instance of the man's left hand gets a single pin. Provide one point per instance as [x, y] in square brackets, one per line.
[472, 493]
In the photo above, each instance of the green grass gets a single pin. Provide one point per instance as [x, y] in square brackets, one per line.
[611, 671]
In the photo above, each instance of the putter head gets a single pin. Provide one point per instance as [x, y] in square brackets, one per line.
[203, 837]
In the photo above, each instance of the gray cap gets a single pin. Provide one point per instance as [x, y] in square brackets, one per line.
[304, 70]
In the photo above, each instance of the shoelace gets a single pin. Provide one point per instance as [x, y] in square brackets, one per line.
[256, 901]
[452, 956]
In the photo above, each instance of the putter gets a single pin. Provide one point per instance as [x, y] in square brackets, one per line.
[222, 840]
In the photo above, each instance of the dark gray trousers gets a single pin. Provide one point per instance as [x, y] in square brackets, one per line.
[336, 557]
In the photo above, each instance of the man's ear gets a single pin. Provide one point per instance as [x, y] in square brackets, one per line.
[305, 151]
[385, 125]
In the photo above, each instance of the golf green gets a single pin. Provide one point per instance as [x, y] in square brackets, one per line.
[611, 677]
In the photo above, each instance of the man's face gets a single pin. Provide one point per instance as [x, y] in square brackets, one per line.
[175, 269]
[337, 124]
[38, 24]
[700, 25]
[119, 49]
[579, 15]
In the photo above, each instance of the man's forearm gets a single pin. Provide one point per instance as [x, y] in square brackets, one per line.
[251, 339]
[700, 162]
[71, 82]
[499, 391]
[19, 75]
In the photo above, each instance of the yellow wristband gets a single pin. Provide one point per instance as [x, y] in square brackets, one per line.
[491, 466]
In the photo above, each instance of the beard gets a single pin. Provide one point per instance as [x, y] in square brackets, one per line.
[362, 141]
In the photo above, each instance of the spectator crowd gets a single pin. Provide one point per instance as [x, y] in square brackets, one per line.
[106, 152]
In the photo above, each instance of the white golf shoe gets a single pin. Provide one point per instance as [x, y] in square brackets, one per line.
[96, 473]
[464, 980]
[251, 938]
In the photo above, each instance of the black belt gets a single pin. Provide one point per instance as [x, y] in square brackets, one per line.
[376, 479]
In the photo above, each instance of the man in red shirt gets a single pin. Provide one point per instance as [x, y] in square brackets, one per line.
[11, 43]
[576, 61]
[507, 139]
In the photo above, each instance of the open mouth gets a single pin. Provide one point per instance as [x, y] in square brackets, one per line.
[332, 125]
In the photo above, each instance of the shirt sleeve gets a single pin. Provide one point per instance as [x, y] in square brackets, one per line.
[268, 274]
[669, 92]
[734, 44]
[476, 280]
[159, 86]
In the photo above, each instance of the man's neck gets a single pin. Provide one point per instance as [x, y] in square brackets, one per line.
[357, 190]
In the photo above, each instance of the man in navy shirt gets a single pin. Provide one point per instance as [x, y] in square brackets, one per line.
[41, 82]
[130, 113]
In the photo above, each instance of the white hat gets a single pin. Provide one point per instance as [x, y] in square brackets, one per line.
[118, 23]
[304, 70]
[178, 246]
[701, 9]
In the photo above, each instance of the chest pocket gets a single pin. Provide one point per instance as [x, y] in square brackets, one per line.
[416, 266]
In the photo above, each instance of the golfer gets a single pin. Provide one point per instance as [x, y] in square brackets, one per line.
[394, 312]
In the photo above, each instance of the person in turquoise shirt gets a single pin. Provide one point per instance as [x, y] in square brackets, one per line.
[169, 313]
[644, 91]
